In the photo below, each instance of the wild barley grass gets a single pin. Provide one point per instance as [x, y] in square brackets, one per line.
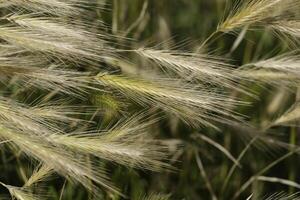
[251, 12]
[79, 101]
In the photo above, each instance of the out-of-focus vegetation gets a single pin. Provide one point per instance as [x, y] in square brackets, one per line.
[86, 86]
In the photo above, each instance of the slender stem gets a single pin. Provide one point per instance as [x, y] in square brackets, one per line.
[138, 20]
[204, 176]
[232, 169]
[241, 155]
[115, 19]
[261, 172]
[207, 40]
[293, 142]
[4, 185]
[62, 190]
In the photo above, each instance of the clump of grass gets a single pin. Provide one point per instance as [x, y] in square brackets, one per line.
[58, 67]
[54, 7]
[287, 27]
[281, 196]
[279, 70]
[44, 51]
[192, 66]
[194, 105]
[251, 12]
[20, 193]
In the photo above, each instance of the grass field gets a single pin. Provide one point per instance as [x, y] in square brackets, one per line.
[149, 99]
